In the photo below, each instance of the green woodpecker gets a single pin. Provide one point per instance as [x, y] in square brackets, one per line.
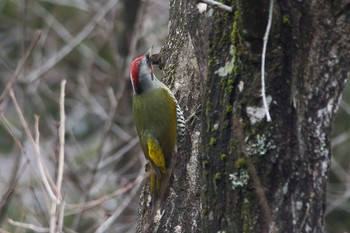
[158, 119]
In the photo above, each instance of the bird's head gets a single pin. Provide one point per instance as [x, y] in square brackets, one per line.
[141, 73]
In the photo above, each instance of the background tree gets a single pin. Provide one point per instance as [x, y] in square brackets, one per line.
[252, 175]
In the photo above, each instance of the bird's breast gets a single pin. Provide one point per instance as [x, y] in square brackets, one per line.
[155, 114]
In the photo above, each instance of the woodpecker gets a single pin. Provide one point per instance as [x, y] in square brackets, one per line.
[158, 119]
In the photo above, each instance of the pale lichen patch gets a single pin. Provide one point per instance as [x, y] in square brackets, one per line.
[178, 229]
[260, 145]
[256, 114]
[202, 7]
[239, 179]
[229, 65]
[240, 86]
[299, 205]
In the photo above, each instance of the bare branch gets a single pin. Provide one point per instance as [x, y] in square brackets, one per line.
[28, 226]
[218, 5]
[59, 214]
[53, 60]
[20, 64]
[61, 138]
[74, 209]
[9, 129]
[53, 217]
[5, 199]
[65, 35]
[119, 153]
[120, 208]
[40, 163]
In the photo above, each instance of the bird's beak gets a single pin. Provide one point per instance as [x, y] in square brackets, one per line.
[149, 53]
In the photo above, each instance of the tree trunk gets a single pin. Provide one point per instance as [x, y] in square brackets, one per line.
[237, 172]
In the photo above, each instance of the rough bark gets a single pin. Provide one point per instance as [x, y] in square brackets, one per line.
[237, 172]
[183, 61]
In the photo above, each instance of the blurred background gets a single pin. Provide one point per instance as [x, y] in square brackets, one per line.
[91, 44]
[338, 198]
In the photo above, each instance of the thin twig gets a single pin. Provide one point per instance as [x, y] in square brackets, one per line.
[39, 157]
[74, 209]
[57, 208]
[120, 208]
[40, 212]
[65, 35]
[36, 147]
[61, 139]
[218, 5]
[53, 60]
[91, 100]
[112, 109]
[59, 214]
[53, 217]
[9, 129]
[263, 57]
[17, 173]
[28, 226]
[118, 154]
[20, 64]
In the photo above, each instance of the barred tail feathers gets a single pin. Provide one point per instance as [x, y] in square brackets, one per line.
[180, 119]
[181, 124]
